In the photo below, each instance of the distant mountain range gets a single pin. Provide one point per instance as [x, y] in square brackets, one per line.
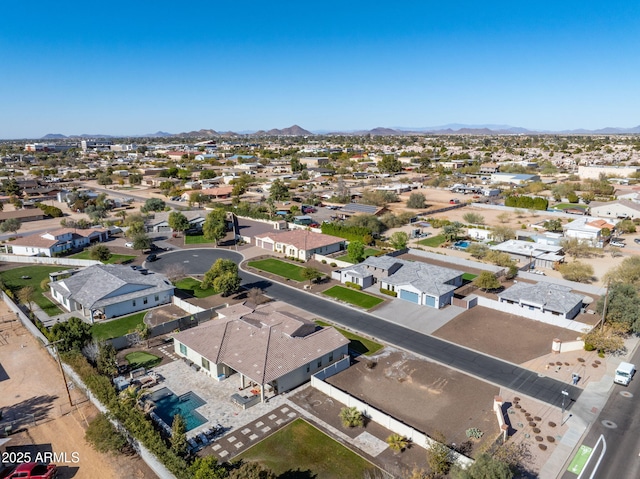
[295, 130]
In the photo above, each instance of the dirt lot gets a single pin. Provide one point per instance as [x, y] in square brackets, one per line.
[506, 336]
[430, 397]
[34, 402]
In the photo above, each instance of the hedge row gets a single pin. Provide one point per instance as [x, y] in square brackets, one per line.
[351, 233]
[527, 202]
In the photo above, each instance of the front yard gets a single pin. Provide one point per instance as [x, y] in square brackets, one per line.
[17, 278]
[301, 450]
[197, 239]
[117, 327]
[281, 268]
[356, 343]
[191, 286]
[113, 259]
[354, 297]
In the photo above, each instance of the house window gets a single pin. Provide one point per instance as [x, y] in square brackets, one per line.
[205, 363]
[308, 367]
[157, 297]
[183, 349]
[145, 300]
[320, 362]
[331, 357]
[134, 302]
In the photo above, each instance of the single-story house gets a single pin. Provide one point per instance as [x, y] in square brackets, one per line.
[273, 349]
[589, 230]
[300, 244]
[105, 291]
[514, 178]
[23, 215]
[615, 209]
[548, 298]
[414, 281]
[159, 223]
[57, 241]
[360, 209]
[538, 254]
[211, 193]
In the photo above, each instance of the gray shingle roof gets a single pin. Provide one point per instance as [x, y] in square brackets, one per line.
[552, 297]
[104, 284]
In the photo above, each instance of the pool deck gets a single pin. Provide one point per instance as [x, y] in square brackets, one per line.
[219, 409]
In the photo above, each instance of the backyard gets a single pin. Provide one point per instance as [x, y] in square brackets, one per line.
[17, 278]
[357, 343]
[367, 252]
[354, 297]
[113, 259]
[301, 450]
[191, 286]
[433, 241]
[140, 359]
[117, 327]
[281, 268]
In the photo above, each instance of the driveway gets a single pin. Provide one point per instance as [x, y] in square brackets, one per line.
[418, 318]
[482, 366]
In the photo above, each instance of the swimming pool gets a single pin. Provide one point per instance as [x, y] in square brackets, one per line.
[168, 405]
[462, 244]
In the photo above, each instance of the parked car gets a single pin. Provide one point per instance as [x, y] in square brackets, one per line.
[617, 244]
[637, 240]
[35, 470]
[152, 257]
[128, 244]
[454, 201]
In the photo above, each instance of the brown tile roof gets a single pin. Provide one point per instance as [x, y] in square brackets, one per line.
[221, 191]
[35, 241]
[301, 239]
[5, 215]
[264, 344]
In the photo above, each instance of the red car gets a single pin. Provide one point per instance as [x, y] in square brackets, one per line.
[34, 470]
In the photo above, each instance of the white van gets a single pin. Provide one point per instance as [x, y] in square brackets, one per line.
[624, 373]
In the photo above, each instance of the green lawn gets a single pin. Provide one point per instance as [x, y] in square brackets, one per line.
[301, 450]
[12, 278]
[114, 259]
[192, 286]
[117, 327]
[352, 296]
[564, 206]
[140, 359]
[367, 252]
[433, 241]
[469, 277]
[197, 239]
[281, 268]
[357, 343]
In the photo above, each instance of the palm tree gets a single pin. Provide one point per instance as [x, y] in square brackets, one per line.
[134, 396]
[397, 442]
[351, 417]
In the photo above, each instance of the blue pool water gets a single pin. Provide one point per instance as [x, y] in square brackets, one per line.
[168, 405]
[462, 244]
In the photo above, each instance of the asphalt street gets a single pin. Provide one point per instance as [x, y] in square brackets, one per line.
[496, 371]
[619, 423]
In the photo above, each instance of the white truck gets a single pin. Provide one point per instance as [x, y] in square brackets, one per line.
[624, 373]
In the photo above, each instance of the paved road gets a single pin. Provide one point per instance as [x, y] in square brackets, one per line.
[485, 367]
[619, 423]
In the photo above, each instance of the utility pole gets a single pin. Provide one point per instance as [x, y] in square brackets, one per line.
[64, 377]
[604, 308]
[565, 393]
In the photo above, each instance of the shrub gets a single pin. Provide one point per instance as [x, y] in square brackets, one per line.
[388, 292]
[349, 284]
[474, 432]
[333, 265]
[589, 347]
[324, 261]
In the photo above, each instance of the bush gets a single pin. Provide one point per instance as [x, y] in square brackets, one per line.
[324, 261]
[388, 292]
[349, 284]
[333, 265]
[103, 436]
[589, 347]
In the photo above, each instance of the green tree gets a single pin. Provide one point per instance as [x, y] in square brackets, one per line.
[166, 187]
[576, 271]
[623, 306]
[26, 295]
[104, 437]
[141, 241]
[296, 165]
[477, 250]
[153, 204]
[626, 226]
[399, 240]
[227, 283]
[351, 417]
[312, 274]
[11, 224]
[553, 225]
[439, 455]
[107, 361]
[416, 201]
[576, 248]
[628, 272]
[452, 231]
[135, 227]
[355, 251]
[207, 467]
[389, 164]
[178, 221]
[215, 225]
[99, 252]
[607, 339]
[487, 281]
[104, 180]
[397, 442]
[135, 179]
[485, 467]
[473, 218]
[278, 190]
[73, 334]
[219, 268]
[502, 233]
[251, 470]
[179, 444]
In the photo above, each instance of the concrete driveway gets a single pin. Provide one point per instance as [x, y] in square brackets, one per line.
[422, 319]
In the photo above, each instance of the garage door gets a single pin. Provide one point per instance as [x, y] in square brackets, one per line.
[409, 296]
[430, 301]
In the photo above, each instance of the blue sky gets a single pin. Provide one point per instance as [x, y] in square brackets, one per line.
[136, 67]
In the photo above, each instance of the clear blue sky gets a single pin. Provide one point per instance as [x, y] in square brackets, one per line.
[136, 67]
